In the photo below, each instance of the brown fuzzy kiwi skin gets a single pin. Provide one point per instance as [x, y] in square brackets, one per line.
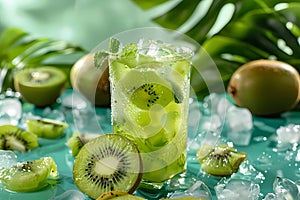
[265, 87]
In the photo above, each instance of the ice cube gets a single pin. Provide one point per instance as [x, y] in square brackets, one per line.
[210, 123]
[239, 119]
[285, 188]
[10, 111]
[210, 104]
[53, 114]
[288, 134]
[271, 196]
[70, 195]
[7, 159]
[241, 138]
[236, 189]
[75, 101]
[223, 106]
[198, 189]
[263, 161]
[187, 184]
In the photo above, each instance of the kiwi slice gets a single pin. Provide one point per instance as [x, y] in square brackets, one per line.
[188, 198]
[108, 162]
[46, 128]
[150, 94]
[118, 195]
[220, 160]
[30, 175]
[40, 86]
[76, 142]
[15, 139]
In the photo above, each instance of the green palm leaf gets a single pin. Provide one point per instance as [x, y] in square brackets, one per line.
[19, 50]
[254, 29]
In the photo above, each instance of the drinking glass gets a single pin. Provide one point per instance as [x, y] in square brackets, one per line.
[150, 84]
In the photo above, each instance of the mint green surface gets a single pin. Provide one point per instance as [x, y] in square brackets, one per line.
[264, 130]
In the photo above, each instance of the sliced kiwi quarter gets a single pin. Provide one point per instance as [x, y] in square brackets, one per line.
[108, 162]
[46, 128]
[29, 175]
[118, 195]
[16, 139]
[150, 94]
[220, 160]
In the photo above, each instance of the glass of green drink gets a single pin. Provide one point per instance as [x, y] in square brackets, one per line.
[150, 84]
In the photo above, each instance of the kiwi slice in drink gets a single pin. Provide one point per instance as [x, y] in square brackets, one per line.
[30, 175]
[108, 162]
[46, 128]
[221, 160]
[16, 139]
[150, 94]
[40, 86]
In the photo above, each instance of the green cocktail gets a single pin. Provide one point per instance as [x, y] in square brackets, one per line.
[150, 83]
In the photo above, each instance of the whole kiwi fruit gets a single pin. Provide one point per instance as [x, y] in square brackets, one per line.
[265, 87]
[90, 81]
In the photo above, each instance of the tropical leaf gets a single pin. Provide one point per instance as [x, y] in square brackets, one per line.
[251, 29]
[258, 35]
[19, 49]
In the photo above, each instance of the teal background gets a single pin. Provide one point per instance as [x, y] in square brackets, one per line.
[82, 22]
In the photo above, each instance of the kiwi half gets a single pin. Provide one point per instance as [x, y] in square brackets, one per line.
[40, 86]
[46, 128]
[30, 175]
[108, 162]
[16, 139]
[220, 160]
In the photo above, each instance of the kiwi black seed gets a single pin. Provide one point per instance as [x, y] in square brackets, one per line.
[16, 139]
[108, 162]
[149, 94]
[220, 160]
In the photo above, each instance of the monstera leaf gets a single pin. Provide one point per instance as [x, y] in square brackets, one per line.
[250, 29]
[19, 49]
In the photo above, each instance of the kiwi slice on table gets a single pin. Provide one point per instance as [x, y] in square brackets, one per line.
[16, 139]
[118, 195]
[40, 86]
[30, 175]
[76, 142]
[46, 128]
[108, 162]
[220, 160]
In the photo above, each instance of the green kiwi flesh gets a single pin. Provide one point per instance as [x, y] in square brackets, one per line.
[108, 162]
[30, 175]
[46, 128]
[149, 94]
[40, 86]
[220, 160]
[15, 139]
[77, 140]
[118, 195]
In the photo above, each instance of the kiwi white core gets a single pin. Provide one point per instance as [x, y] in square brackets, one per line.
[40, 76]
[107, 166]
